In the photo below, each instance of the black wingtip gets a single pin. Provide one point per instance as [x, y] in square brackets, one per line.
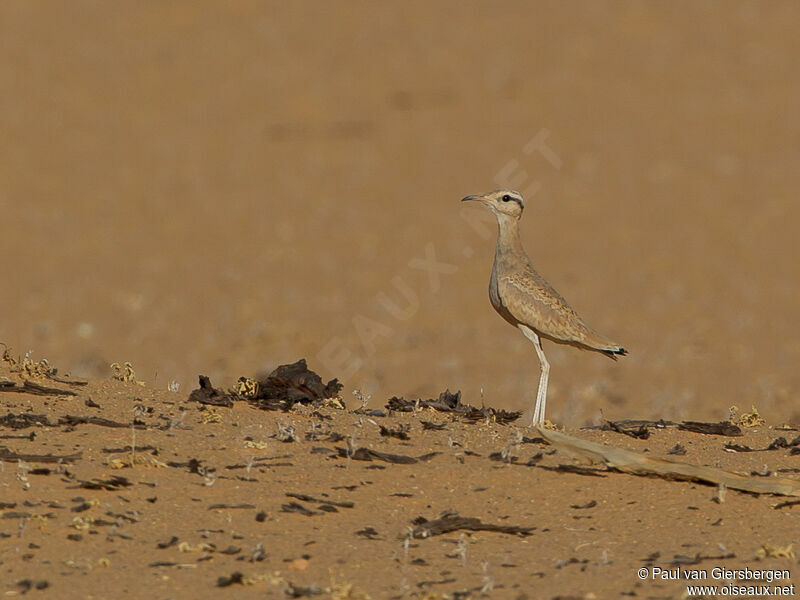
[612, 354]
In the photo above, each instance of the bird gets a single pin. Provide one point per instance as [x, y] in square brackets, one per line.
[524, 299]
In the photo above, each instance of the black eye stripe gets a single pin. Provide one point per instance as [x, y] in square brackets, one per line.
[510, 198]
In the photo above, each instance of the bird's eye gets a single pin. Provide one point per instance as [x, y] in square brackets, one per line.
[506, 198]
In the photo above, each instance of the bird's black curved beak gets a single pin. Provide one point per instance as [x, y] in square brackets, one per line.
[468, 198]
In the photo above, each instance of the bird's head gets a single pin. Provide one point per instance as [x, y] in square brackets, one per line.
[501, 202]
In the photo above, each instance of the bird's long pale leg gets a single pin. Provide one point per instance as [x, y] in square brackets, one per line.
[541, 394]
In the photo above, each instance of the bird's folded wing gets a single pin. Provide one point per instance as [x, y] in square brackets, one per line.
[532, 301]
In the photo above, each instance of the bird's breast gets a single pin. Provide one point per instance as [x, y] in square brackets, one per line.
[497, 301]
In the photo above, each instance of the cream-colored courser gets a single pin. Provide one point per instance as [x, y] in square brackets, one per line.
[527, 301]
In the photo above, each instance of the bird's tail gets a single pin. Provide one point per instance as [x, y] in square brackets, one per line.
[599, 343]
[614, 352]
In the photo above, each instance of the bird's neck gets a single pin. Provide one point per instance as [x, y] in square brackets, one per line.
[508, 236]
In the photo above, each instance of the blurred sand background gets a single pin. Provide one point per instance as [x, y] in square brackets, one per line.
[218, 188]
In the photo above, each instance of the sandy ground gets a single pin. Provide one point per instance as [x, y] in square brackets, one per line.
[218, 189]
[327, 502]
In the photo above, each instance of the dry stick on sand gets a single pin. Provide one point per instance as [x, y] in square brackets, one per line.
[638, 464]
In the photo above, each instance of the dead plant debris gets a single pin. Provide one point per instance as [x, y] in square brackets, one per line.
[295, 383]
[451, 521]
[296, 507]
[677, 450]
[685, 560]
[111, 484]
[9, 456]
[24, 420]
[401, 432]
[207, 394]
[776, 444]
[751, 419]
[124, 372]
[367, 454]
[25, 365]
[448, 402]
[307, 498]
[71, 421]
[633, 424]
[29, 387]
[640, 432]
[772, 551]
[284, 387]
[721, 428]
[232, 579]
